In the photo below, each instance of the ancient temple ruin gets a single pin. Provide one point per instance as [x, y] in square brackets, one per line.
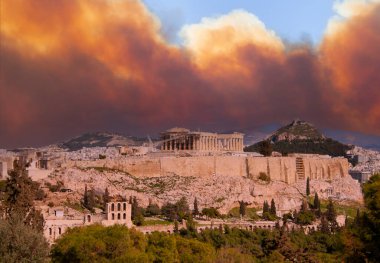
[180, 139]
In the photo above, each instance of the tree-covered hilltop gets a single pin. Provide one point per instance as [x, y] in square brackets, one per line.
[310, 146]
[299, 137]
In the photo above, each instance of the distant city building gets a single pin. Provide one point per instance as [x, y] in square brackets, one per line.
[359, 159]
[361, 176]
[181, 139]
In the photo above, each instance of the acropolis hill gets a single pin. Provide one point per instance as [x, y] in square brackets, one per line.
[208, 166]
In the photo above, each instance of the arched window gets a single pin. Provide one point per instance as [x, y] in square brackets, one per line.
[113, 207]
[113, 216]
[50, 231]
[118, 207]
[118, 216]
[124, 206]
[124, 216]
[59, 231]
[88, 218]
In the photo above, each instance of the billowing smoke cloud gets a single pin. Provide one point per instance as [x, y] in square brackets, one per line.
[74, 66]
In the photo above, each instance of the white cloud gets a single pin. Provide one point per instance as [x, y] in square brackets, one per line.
[223, 34]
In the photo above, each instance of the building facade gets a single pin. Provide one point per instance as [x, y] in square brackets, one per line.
[59, 219]
[180, 139]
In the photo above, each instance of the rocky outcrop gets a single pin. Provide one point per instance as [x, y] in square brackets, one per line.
[222, 192]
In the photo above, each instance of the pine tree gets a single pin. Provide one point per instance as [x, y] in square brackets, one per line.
[91, 200]
[317, 204]
[273, 208]
[324, 226]
[265, 207]
[242, 208]
[308, 186]
[134, 208]
[330, 214]
[19, 197]
[196, 209]
[304, 206]
[85, 197]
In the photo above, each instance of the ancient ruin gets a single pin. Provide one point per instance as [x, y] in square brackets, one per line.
[181, 139]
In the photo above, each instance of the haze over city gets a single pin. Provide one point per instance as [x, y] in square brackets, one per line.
[139, 67]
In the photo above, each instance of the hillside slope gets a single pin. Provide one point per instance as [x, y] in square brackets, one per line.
[300, 137]
[99, 139]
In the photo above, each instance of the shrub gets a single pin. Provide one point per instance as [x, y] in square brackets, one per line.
[211, 212]
[264, 177]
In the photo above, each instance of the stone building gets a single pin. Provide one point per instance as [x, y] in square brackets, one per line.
[59, 219]
[180, 139]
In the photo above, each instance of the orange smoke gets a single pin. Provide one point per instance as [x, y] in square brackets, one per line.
[73, 66]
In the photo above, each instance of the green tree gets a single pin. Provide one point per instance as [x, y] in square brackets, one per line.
[242, 208]
[308, 186]
[330, 213]
[324, 225]
[106, 197]
[265, 207]
[182, 208]
[85, 197]
[91, 200]
[317, 203]
[272, 210]
[96, 243]
[21, 243]
[266, 148]
[368, 226]
[196, 209]
[152, 209]
[211, 212]
[169, 211]
[19, 197]
[137, 213]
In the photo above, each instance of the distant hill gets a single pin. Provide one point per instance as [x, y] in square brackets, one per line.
[99, 139]
[300, 137]
[297, 130]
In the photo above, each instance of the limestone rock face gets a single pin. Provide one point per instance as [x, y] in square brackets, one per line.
[222, 192]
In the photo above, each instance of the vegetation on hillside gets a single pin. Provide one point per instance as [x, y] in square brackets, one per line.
[299, 137]
[356, 242]
[308, 146]
[20, 223]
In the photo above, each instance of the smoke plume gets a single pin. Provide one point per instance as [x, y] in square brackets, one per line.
[72, 66]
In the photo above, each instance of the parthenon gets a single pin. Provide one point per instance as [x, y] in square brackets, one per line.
[180, 139]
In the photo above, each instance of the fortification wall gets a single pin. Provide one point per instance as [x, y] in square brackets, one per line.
[277, 168]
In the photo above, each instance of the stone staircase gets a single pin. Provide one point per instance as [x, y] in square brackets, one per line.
[300, 168]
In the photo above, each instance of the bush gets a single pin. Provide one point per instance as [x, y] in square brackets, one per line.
[264, 177]
[152, 210]
[305, 217]
[211, 212]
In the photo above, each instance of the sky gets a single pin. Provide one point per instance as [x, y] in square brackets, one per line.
[292, 20]
[140, 67]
